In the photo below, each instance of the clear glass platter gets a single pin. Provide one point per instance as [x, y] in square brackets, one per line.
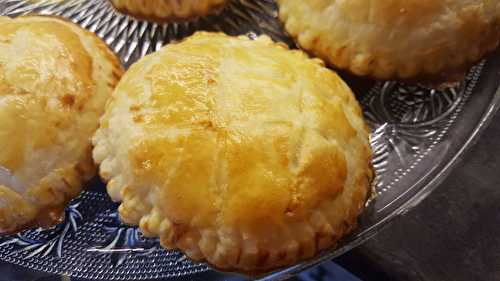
[418, 135]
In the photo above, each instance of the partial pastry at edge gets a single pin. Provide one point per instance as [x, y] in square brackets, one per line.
[168, 10]
[55, 79]
[422, 40]
[238, 152]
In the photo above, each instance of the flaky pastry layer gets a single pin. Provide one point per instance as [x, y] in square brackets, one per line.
[168, 10]
[396, 39]
[55, 79]
[239, 152]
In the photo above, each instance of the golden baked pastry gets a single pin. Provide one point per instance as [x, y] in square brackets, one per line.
[55, 78]
[239, 152]
[167, 10]
[410, 39]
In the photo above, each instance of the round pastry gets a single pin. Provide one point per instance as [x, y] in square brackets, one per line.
[413, 39]
[239, 152]
[55, 79]
[167, 10]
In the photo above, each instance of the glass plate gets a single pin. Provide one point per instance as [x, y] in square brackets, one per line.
[418, 135]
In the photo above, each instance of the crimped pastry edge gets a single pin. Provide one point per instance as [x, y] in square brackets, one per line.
[360, 63]
[63, 184]
[173, 17]
[327, 233]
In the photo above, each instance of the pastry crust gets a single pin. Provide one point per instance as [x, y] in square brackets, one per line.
[167, 10]
[239, 152]
[55, 79]
[396, 39]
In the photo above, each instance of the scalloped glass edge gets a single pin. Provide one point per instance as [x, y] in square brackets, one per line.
[427, 187]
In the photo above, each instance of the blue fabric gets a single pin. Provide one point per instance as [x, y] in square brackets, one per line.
[328, 271]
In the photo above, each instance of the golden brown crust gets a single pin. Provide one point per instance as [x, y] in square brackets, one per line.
[414, 40]
[239, 152]
[55, 78]
[163, 11]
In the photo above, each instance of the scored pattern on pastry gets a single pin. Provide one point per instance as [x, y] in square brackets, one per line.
[142, 264]
[237, 151]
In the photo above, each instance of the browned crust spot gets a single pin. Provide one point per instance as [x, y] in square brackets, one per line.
[172, 18]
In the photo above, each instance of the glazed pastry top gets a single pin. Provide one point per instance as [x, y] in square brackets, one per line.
[223, 145]
[168, 10]
[394, 38]
[54, 81]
